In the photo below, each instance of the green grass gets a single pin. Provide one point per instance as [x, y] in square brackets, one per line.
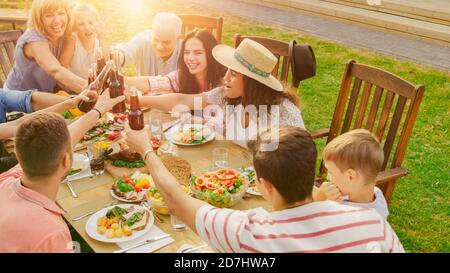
[420, 208]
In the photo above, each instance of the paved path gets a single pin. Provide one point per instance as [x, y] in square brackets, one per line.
[387, 43]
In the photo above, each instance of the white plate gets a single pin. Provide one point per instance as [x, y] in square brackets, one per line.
[79, 159]
[91, 226]
[113, 194]
[199, 127]
[251, 191]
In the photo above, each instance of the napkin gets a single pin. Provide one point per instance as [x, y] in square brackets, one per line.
[81, 175]
[186, 246]
[151, 247]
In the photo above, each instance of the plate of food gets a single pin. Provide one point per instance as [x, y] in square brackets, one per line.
[249, 174]
[122, 156]
[191, 134]
[119, 223]
[132, 188]
[109, 130]
[219, 187]
[80, 164]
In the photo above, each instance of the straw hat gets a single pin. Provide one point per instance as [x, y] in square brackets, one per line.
[251, 59]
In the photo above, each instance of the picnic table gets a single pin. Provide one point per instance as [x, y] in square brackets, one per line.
[94, 194]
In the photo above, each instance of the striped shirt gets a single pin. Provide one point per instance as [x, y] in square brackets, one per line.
[316, 227]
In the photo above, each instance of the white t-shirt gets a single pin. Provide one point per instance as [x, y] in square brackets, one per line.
[316, 227]
[82, 59]
[379, 204]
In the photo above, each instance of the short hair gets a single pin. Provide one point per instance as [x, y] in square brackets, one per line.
[39, 7]
[167, 22]
[357, 149]
[41, 142]
[85, 8]
[291, 167]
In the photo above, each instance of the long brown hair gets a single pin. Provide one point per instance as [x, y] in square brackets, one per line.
[215, 71]
[257, 94]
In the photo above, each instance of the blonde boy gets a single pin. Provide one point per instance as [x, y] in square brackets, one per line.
[353, 161]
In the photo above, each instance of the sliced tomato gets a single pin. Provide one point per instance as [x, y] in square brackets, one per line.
[229, 183]
[210, 185]
[200, 182]
[226, 174]
[137, 189]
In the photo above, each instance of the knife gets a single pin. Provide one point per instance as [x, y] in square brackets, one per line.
[151, 240]
[172, 124]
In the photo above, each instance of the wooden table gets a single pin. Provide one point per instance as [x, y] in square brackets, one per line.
[94, 193]
[14, 16]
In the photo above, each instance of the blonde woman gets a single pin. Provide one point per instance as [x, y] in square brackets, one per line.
[85, 42]
[36, 64]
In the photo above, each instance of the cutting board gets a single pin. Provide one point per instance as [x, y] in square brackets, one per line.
[121, 171]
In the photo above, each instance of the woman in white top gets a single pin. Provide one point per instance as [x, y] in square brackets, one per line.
[249, 91]
[81, 49]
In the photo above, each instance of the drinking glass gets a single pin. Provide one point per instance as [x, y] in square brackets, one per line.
[176, 223]
[220, 157]
[96, 153]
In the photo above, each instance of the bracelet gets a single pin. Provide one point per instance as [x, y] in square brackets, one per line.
[98, 111]
[146, 153]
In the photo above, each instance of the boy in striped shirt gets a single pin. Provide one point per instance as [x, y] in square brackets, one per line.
[285, 177]
[353, 161]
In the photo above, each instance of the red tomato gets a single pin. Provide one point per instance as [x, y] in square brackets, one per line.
[137, 189]
[113, 136]
[200, 182]
[123, 117]
[226, 174]
[229, 183]
[210, 186]
[147, 186]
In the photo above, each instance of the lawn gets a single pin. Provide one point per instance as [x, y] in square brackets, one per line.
[420, 209]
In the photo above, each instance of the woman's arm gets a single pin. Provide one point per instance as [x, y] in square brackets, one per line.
[141, 83]
[67, 52]
[40, 52]
[167, 102]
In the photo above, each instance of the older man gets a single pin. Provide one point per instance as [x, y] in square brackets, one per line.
[154, 52]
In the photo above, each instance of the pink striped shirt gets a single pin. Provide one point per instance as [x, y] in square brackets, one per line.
[316, 227]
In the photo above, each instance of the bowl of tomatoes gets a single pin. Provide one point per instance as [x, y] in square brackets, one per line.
[219, 187]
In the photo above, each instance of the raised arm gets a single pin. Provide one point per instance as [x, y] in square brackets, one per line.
[180, 204]
[67, 52]
[104, 103]
[40, 52]
[167, 102]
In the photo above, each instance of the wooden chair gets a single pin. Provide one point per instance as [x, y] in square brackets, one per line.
[8, 41]
[381, 91]
[14, 12]
[196, 21]
[280, 49]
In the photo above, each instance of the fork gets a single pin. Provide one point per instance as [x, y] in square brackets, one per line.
[149, 207]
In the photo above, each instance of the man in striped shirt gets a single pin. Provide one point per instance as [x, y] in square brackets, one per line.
[285, 177]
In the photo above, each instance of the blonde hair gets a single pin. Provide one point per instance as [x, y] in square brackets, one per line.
[168, 23]
[358, 150]
[40, 7]
[85, 8]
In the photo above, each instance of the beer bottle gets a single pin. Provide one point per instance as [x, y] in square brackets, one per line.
[116, 89]
[86, 106]
[101, 62]
[135, 116]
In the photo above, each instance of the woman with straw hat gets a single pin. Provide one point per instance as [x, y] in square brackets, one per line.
[248, 82]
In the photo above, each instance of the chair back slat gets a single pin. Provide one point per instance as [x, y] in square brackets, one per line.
[374, 108]
[363, 105]
[395, 123]
[8, 41]
[351, 105]
[212, 24]
[382, 123]
[394, 107]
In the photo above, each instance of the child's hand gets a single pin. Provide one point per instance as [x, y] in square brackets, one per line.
[329, 191]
